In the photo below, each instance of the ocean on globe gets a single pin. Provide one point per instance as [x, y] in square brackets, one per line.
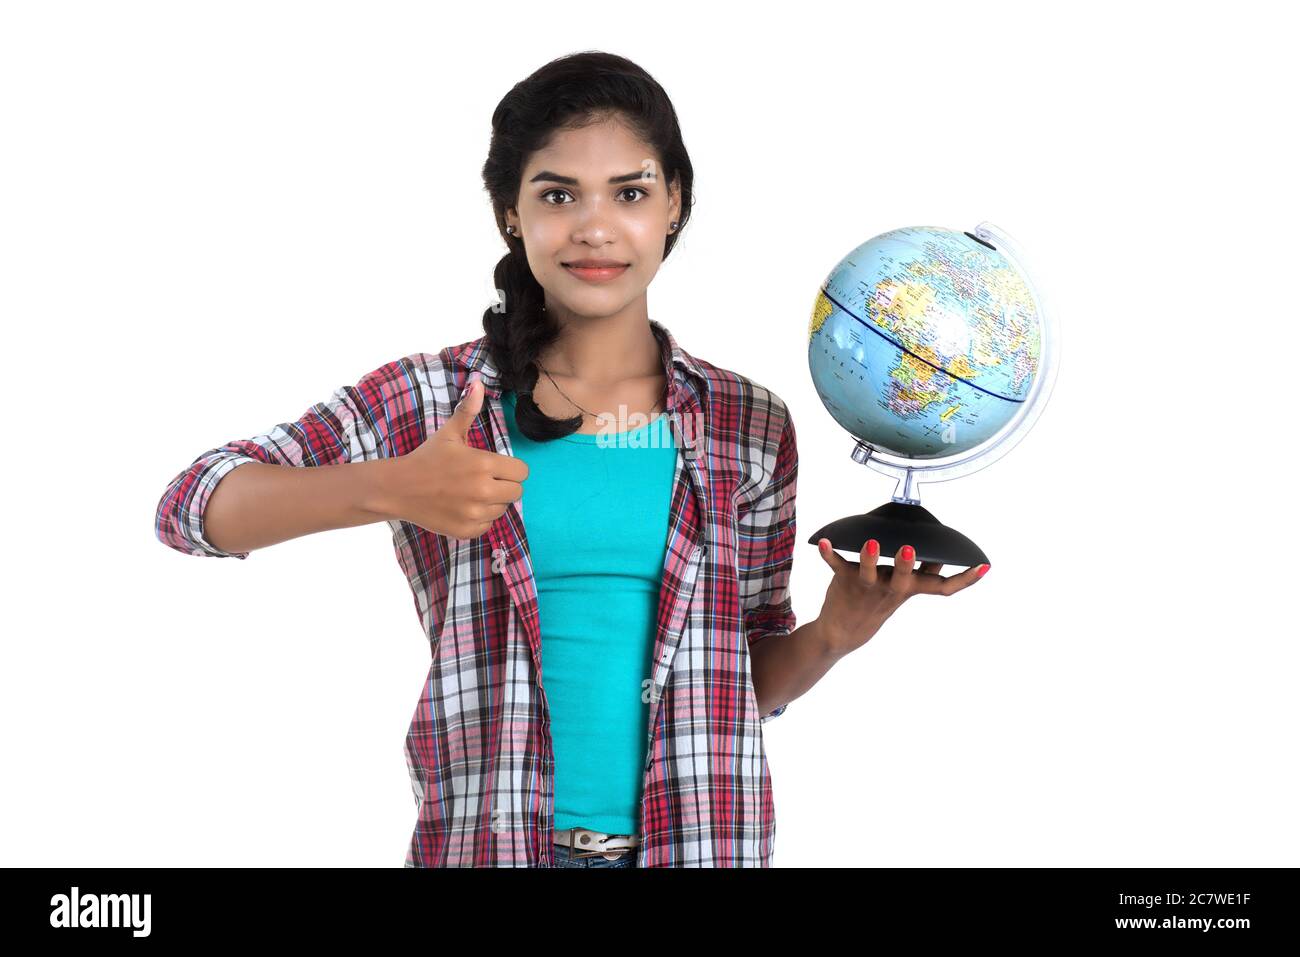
[924, 342]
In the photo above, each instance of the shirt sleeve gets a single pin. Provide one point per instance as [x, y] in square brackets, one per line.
[766, 550]
[379, 417]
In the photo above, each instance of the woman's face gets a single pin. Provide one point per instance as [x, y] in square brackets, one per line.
[594, 194]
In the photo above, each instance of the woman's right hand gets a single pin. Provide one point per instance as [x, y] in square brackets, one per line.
[449, 487]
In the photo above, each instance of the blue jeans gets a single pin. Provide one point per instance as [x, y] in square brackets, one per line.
[564, 859]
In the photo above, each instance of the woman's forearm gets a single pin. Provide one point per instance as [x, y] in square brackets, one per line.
[785, 666]
[258, 504]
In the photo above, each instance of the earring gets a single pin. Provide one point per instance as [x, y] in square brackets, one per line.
[672, 227]
[510, 230]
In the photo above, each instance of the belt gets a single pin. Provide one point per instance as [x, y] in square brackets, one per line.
[584, 842]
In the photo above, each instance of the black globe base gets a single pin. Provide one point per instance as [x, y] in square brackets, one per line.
[896, 524]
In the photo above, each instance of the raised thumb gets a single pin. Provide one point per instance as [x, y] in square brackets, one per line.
[467, 410]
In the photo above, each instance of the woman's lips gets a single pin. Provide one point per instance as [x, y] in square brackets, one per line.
[596, 274]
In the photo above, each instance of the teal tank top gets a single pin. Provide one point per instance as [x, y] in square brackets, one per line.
[595, 511]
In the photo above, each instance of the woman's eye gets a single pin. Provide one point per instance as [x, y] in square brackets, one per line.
[565, 192]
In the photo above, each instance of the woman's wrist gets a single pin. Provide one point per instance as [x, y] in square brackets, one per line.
[378, 488]
[838, 640]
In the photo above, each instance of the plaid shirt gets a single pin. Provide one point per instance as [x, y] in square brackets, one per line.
[479, 747]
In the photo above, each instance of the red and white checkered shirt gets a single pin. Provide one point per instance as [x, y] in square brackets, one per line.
[479, 745]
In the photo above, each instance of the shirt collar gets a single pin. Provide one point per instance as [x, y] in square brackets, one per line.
[476, 357]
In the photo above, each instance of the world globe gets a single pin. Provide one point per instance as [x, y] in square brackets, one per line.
[933, 349]
[924, 342]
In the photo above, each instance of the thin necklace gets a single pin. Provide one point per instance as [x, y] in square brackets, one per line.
[562, 392]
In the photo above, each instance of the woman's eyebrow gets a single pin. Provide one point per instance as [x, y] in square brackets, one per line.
[548, 176]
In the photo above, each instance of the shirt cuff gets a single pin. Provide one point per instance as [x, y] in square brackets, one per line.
[204, 486]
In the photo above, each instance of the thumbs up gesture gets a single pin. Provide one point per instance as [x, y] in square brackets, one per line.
[449, 487]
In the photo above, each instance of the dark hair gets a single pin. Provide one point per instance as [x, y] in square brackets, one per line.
[571, 92]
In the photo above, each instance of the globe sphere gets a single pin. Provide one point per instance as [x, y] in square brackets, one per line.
[924, 342]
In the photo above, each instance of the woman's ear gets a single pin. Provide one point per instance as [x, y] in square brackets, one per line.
[675, 200]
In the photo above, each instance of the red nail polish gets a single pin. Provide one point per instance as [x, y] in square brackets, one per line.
[873, 547]
[908, 553]
[983, 570]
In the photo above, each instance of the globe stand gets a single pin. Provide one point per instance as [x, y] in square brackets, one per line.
[900, 522]
[896, 524]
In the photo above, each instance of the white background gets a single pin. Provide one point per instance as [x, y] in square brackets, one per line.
[215, 215]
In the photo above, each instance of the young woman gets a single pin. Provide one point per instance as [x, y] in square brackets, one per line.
[576, 498]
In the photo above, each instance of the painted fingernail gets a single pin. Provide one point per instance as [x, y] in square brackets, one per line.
[908, 553]
[821, 545]
[983, 570]
[873, 547]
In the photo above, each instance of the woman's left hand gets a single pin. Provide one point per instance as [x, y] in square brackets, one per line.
[862, 595]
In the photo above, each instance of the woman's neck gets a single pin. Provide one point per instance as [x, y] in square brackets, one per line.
[603, 352]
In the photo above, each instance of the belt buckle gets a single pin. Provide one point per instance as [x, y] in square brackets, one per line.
[574, 852]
